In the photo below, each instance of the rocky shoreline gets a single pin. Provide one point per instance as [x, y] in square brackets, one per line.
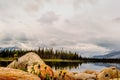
[32, 67]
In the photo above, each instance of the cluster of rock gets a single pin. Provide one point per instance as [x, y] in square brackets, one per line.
[36, 69]
[16, 74]
[110, 73]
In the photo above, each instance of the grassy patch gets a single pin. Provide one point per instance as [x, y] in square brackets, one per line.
[6, 59]
[46, 60]
[60, 60]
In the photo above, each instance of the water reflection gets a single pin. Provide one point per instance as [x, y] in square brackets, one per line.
[74, 66]
[62, 65]
[79, 67]
[4, 63]
[108, 64]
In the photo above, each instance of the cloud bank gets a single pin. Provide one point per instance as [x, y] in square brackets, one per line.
[89, 27]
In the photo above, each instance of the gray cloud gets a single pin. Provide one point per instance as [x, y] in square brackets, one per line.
[112, 45]
[117, 20]
[80, 3]
[48, 18]
[33, 5]
[85, 26]
[7, 38]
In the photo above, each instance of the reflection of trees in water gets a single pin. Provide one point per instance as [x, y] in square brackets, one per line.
[4, 63]
[57, 65]
[69, 65]
[61, 65]
[108, 64]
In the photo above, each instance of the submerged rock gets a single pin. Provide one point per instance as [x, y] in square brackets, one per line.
[15, 74]
[26, 60]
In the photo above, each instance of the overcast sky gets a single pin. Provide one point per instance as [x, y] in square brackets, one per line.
[89, 27]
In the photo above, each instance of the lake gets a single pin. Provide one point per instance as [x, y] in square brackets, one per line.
[74, 66]
[79, 67]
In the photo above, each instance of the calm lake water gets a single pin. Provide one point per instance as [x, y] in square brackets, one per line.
[75, 66]
[79, 67]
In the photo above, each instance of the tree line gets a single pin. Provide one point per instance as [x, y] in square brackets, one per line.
[50, 53]
[103, 60]
[44, 53]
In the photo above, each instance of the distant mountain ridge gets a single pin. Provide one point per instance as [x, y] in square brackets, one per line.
[113, 54]
[9, 48]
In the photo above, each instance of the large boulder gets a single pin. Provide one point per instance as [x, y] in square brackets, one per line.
[85, 76]
[15, 74]
[26, 60]
[91, 72]
[44, 71]
[33, 64]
